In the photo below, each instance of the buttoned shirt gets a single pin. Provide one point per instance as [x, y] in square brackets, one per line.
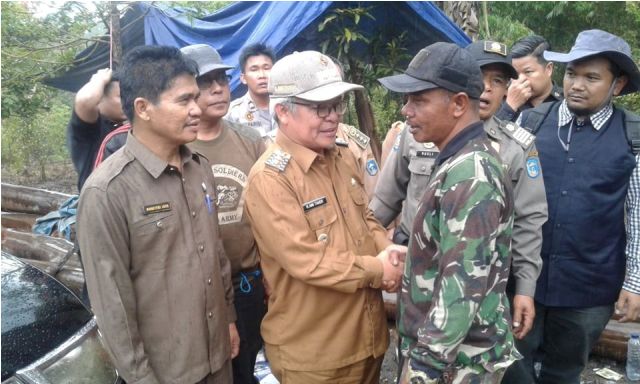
[317, 243]
[158, 278]
[244, 111]
[632, 278]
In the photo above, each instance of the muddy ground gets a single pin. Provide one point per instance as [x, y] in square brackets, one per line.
[63, 178]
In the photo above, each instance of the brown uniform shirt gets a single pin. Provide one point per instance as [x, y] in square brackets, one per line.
[360, 145]
[317, 242]
[158, 278]
[231, 155]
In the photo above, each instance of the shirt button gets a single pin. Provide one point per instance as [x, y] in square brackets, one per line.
[209, 282]
[423, 168]
[564, 193]
[558, 225]
[201, 248]
[159, 224]
[184, 180]
[572, 160]
[210, 314]
[323, 237]
[193, 213]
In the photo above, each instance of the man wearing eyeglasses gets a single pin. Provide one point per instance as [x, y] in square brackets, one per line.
[323, 253]
[231, 149]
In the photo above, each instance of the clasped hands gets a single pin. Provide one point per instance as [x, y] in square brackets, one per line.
[392, 259]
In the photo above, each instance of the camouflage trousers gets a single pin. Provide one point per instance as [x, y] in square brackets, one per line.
[470, 376]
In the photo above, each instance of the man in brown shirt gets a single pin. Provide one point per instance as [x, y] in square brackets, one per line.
[158, 278]
[231, 149]
[322, 251]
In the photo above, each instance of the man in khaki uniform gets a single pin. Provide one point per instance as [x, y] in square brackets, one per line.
[322, 251]
[157, 274]
[406, 173]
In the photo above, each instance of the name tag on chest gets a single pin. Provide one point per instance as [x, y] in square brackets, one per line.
[157, 208]
[427, 154]
[314, 203]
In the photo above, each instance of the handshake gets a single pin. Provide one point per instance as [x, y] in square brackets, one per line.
[392, 259]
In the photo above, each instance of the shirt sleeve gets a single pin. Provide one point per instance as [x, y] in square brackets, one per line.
[506, 113]
[282, 232]
[632, 279]
[104, 237]
[471, 210]
[530, 213]
[391, 189]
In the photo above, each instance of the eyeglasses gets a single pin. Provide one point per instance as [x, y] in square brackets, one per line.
[324, 110]
[205, 81]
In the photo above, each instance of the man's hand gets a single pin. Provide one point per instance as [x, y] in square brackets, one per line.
[628, 305]
[519, 92]
[397, 254]
[234, 340]
[524, 311]
[391, 274]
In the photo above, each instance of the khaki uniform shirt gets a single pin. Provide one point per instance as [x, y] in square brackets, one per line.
[244, 111]
[360, 145]
[406, 175]
[231, 155]
[317, 243]
[158, 278]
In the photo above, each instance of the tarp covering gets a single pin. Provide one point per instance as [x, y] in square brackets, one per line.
[286, 26]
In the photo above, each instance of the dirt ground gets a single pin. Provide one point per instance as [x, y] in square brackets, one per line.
[63, 178]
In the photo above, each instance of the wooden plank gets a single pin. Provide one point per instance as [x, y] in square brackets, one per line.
[18, 198]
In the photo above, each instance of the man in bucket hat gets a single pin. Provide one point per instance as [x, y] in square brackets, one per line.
[323, 254]
[587, 159]
[454, 319]
[231, 149]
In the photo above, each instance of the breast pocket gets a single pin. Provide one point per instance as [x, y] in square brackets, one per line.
[155, 224]
[321, 221]
[420, 169]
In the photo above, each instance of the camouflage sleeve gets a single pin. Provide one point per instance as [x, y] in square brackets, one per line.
[391, 189]
[470, 220]
[530, 207]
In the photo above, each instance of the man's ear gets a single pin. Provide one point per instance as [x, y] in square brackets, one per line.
[460, 104]
[142, 108]
[621, 82]
[548, 69]
[282, 112]
[242, 79]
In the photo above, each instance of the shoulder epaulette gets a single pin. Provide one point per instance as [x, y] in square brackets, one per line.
[360, 138]
[517, 133]
[341, 142]
[278, 160]
[244, 130]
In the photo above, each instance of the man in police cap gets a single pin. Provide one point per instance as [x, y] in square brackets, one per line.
[406, 173]
[588, 157]
[453, 319]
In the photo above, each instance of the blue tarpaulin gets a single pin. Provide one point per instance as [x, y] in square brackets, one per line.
[286, 26]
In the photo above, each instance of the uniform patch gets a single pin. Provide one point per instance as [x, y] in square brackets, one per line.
[360, 138]
[533, 167]
[427, 154]
[157, 208]
[249, 116]
[314, 203]
[372, 167]
[429, 145]
[278, 160]
[396, 144]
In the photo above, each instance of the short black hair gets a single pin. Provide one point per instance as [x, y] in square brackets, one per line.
[256, 49]
[533, 45]
[147, 71]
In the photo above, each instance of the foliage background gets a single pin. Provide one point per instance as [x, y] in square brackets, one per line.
[35, 45]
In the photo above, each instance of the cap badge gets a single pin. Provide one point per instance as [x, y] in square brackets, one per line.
[323, 60]
[495, 47]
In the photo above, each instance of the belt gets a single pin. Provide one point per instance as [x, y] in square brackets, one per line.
[243, 280]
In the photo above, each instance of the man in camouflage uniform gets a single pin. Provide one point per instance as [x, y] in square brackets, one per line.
[454, 319]
[407, 171]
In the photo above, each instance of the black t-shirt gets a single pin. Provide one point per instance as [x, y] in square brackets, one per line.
[83, 141]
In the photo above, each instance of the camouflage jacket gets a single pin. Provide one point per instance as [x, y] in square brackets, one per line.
[454, 314]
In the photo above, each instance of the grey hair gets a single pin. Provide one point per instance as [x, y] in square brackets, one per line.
[287, 102]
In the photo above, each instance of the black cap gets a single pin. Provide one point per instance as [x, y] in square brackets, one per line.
[440, 65]
[492, 52]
